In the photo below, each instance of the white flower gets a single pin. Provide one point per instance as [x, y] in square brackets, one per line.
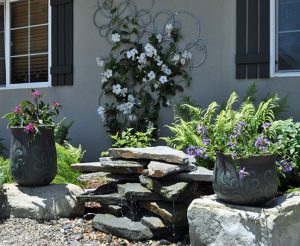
[145, 80]
[187, 55]
[150, 50]
[168, 103]
[125, 108]
[116, 89]
[176, 58]
[169, 28]
[132, 117]
[108, 73]
[132, 53]
[100, 62]
[159, 61]
[103, 80]
[101, 112]
[159, 37]
[163, 79]
[123, 92]
[182, 60]
[116, 37]
[131, 98]
[142, 58]
[150, 124]
[151, 75]
[156, 85]
[165, 69]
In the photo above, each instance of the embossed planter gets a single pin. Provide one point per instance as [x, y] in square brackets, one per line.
[256, 188]
[33, 162]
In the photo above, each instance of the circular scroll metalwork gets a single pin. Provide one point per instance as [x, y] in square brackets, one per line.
[126, 10]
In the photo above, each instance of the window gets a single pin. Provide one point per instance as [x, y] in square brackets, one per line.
[285, 38]
[24, 43]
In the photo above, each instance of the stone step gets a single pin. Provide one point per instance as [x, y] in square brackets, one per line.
[136, 191]
[154, 223]
[161, 169]
[108, 199]
[159, 153]
[121, 227]
[174, 213]
[115, 210]
[201, 174]
[98, 167]
[105, 177]
[168, 189]
[119, 163]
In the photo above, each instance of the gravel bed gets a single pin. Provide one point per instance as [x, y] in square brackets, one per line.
[77, 232]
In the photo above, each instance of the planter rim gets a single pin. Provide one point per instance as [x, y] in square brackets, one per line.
[39, 126]
[249, 157]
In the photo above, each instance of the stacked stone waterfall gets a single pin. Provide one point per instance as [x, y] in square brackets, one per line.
[146, 191]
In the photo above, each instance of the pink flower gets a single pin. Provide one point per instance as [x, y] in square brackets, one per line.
[17, 109]
[30, 128]
[36, 93]
[56, 105]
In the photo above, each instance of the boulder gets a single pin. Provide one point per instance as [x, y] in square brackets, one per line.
[108, 199]
[105, 177]
[201, 174]
[135, 191]
[167, 189]
[159, 153]
[277, 223]
[42, 203]
[154, 223]
[160, 169]
[174, 213]
[121, 227]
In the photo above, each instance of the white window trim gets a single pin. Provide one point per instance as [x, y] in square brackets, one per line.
[8, 51]
[273, 44]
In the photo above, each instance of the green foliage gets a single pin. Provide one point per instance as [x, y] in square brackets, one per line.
[61, 131]
[65, 157]
[130, 138]
[232, 131]
[287, 135]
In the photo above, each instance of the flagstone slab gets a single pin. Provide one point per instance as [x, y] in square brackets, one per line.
[159, 153]
[122, 227]
[158, 169]
[201, 174]
[108, 199]
[154, 223]
[136, 191]
[105, 177]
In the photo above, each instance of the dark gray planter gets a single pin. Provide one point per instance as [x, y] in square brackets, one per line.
[256, 188]
[33, 161]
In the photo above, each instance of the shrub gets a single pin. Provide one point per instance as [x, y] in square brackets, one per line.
[62, 131]
[2, 148]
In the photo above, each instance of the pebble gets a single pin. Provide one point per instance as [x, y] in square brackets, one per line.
[63, 232]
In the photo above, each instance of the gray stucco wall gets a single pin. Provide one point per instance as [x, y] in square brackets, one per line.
[214, 80]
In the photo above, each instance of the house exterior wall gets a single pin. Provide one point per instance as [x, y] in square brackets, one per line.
[213, 80]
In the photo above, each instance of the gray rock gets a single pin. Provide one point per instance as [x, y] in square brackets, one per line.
[118, 163]
[159, 153]
[42, 203]
[135, 191]
[98, 167]
[199, 175]
[108, 199]
[154, 223]
[105, 177]
[115, 210]
[212, 222]
[160, 169]
[121, 227]
[174, 213]
[168, 189]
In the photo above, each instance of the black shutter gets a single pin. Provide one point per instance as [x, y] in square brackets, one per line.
[252, 39]
[62, 42]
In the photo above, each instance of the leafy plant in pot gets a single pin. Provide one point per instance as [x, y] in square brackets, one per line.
[239, 142]
[33, 159]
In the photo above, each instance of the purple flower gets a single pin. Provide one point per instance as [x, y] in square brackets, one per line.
[197, 152]
[206, 141]
[230, 145]
[36, 93]
[243, 173]
[262, 143]
[266, 125]
[233, 154]
[29, 128]
[201, 130]
[286, 166]
[18, 109]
